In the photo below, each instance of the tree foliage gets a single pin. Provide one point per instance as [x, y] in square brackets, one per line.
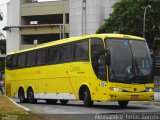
[127, 18]
[3, 46]
[1, 16]
[2, 37]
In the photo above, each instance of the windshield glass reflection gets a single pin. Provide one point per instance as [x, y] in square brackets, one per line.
[130, 61]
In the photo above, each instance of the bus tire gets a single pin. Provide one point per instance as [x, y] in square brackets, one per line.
[64, 102]
[50, 101]
[123, 104]
[21, 95]
[87, 98]
[30, 96]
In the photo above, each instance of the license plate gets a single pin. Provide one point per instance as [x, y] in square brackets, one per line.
[133, 97]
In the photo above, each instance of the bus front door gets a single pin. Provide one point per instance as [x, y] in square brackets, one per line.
[102, 78]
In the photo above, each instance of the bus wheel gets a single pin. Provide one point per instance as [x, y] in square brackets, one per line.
[50, 101]
[123, 104]
[30, 96]
[21, 95]
[87, 98]
[64, 102]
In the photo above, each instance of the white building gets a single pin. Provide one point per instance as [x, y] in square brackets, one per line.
[86, 16]
[78, 17]
[30, 23]
[13, 19]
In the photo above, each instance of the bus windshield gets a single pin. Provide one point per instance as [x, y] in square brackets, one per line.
[130, 61]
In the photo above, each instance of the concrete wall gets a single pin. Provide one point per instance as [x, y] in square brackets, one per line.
[96, 11]
[27, 46]
[13, 19]
[17, 9]
[44, 8]
[43, 30]
[82, 21]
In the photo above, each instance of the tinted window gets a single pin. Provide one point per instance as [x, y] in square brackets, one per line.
[130, 61]
[14, 61]
[31, 58]
[21, 60]
[42, 56]
[53, 54]
[67, 52]
[98, 58]
[82, 50]
[96, 47]
[9, 62]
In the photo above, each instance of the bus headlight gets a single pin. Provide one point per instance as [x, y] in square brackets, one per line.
[116, 89]
[149, 89]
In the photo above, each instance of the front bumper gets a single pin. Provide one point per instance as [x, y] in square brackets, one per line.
[128, 96]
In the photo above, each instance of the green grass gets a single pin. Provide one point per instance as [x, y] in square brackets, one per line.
[8, 107]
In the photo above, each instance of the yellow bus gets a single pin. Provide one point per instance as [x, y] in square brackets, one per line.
[100, 67]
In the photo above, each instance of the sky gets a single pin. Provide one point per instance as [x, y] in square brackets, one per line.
[3, 9]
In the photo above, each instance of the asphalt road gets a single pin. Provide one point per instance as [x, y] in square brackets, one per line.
[76, 110]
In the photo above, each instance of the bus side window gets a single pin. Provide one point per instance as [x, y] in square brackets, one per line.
[9, 62]
[31, 58]
[14, 61]
[67, 52]
[22, 60]
[53, 54]
[82, 50]
[42, 56]
[98, 62]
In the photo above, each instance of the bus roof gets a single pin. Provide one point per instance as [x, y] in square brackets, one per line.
[72, 39]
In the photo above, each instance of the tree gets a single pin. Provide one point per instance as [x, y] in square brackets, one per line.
[2, 37]
[127, 18]
[1, 16]
[3, 46]
[2, 49]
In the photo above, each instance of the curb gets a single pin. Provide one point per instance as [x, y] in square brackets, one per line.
[149, 102]
[18, 104]
[156, 102]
